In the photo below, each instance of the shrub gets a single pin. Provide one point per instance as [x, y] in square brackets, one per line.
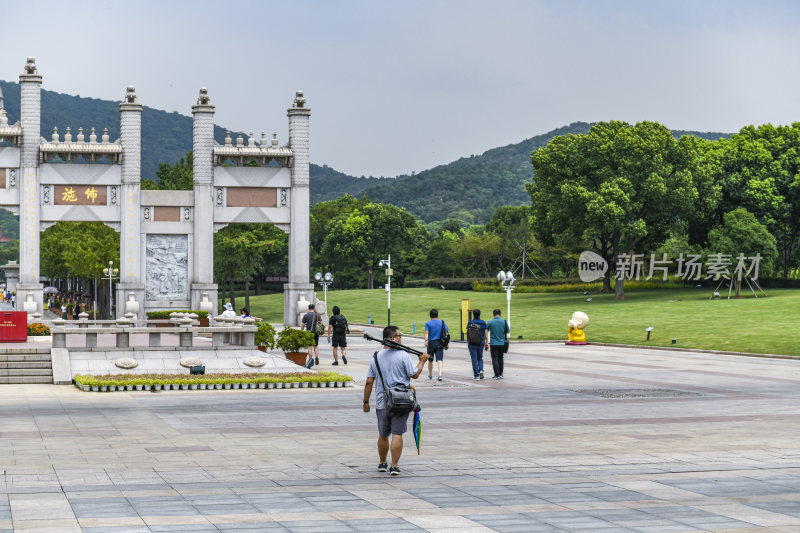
[294, 340]
[265, 335]
[38, 330]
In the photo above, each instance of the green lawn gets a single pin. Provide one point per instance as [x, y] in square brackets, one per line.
[763, 325]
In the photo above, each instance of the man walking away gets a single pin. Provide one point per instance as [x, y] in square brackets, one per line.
[433, 342]
[309, 323]
[397, 368]
[497, 330]
[340, 328]
[477, 339]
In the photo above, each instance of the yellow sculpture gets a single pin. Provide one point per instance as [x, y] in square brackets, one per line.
[575, 334]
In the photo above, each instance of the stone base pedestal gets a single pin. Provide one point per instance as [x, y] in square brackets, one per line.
[121, 296]
[23, 289]
[291, 295]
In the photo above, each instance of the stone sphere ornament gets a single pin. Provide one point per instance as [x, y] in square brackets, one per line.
[575, 333]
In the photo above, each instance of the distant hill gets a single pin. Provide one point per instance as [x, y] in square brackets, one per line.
[469, 189]
[474, 185]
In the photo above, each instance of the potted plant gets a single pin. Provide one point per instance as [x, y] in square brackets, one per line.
[265, 336]
[291, 341]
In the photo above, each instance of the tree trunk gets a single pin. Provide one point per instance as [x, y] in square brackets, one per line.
[619, 289]
[257, 280]
[607, 281]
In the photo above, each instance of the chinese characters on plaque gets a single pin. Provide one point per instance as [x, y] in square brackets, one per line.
[79, 195]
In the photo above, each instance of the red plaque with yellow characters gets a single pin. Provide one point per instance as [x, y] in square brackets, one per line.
[13, 326]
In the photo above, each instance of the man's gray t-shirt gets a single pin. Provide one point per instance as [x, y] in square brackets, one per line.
[396, 367]
[309, 319]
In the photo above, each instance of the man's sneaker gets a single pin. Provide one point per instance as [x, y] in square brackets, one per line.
[476, 378]
[481, 375]
[310, 363]
[316, 360]
[430, 376]
[500, 377]
[344, 359]
[383, 467]
[336, 363]
[440, 378]
[394, 471]
[495, 377]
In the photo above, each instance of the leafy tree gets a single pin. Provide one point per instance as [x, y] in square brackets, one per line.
[742, 233]
[616, 188]
[177, 177]
[761, 173]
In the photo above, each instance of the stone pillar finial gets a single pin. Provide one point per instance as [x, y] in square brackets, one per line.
[30, 66]
[93, 136]
[299, 100]
[55, 138]
[130, 95]
[105, 136]
[275, 139]
[81, 137]
[68, 135]
[203, 99]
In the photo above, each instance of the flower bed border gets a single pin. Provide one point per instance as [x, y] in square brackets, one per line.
[146, 382]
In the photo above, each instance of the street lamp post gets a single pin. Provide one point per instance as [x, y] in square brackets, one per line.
[112, 274]
[508, 282]
[388, 263]
[325, 281]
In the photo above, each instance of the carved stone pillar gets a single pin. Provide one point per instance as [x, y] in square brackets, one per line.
[299, 261]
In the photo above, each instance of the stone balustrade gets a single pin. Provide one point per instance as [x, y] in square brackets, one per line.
[240, 334]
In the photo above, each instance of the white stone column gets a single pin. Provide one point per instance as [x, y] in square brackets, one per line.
[30, 116]
[131, 268]
[299, 261]
[202, 245]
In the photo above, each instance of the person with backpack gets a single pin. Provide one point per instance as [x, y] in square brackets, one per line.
[398, 369]
[339, 327]
[310, 323]
[437, 337]
[477, 339]
[497, 330]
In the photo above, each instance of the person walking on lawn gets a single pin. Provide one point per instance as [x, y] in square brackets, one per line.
[398, 368]
[497, 329]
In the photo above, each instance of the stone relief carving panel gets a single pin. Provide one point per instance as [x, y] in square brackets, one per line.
[167, 267]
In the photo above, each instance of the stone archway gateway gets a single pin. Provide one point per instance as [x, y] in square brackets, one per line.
[166, 237]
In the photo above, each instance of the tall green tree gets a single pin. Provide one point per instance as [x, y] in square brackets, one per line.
[761, 173]
[177, 177]
[617, 188]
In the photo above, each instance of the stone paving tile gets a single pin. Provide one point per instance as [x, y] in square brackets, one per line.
[528, 454]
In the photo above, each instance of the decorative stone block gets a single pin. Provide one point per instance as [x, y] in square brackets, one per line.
[188, 362]
[254, 362]
[126, 362]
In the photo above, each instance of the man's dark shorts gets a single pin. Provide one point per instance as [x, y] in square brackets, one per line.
[435, 350]
[339, 340]
[316, 340]
[391, 423]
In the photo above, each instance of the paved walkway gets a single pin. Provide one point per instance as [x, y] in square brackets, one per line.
[589, 439]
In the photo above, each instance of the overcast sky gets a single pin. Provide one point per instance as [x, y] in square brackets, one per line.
[396, 87]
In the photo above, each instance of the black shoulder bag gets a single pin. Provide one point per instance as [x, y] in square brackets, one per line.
[399, 399]
[445, 336]
[505, 334]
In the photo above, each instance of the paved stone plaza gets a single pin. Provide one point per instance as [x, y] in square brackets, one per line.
[574, 439]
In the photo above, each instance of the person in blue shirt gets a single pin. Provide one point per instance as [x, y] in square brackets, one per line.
[433, 342]
[497, 330]
[477, 339]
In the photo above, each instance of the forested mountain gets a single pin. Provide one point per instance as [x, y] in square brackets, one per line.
[469, 189]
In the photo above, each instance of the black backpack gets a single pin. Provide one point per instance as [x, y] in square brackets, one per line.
[445, 336]
[474, 333]
[339, 324]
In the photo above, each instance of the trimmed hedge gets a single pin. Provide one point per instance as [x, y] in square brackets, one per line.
[208, 379]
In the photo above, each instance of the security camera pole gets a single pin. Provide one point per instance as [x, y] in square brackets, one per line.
[388, 263]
